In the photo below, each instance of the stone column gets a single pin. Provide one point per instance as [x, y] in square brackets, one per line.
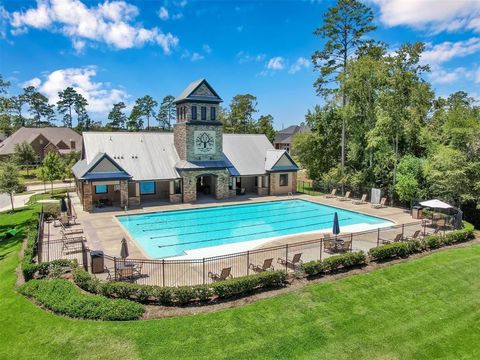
[262, 191]
[87, 198]
[124, 193]
[173, 198]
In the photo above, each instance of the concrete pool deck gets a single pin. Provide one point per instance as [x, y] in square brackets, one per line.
[104, 232]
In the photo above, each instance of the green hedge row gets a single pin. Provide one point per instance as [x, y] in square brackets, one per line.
[63, 297]
[179, 295]
[404, 249]
[29, 267]
[333, 263]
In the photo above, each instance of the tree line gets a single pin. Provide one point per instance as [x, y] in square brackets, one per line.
[381, 124]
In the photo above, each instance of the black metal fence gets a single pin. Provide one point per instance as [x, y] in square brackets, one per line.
[171, 272]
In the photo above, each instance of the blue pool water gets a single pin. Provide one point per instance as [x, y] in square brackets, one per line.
[171, 233]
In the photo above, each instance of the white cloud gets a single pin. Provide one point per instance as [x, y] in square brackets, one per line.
[443, 52]
[100, 96]
[440, 75]
[245, 57]
[197, 56]
[435, 15]
[163, 13]
[111, 22]
[207, 48]
[276, 63]
[300, 64]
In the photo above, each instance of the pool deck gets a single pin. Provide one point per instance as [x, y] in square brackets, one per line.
[104, 232]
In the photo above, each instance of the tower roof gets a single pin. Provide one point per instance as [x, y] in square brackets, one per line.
[199, 90]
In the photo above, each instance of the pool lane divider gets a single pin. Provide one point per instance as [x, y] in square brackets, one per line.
[218, 216]
[243, 235]
[234, 220]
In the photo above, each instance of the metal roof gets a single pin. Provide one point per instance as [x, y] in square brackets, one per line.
[152, 155]
[285, 136]
[273, 157]
[187, 94]
[143, 155]
[52, 134]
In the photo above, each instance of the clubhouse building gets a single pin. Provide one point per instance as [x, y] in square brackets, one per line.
[197, 160]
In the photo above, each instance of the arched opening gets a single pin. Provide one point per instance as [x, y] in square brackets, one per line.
[206, 186]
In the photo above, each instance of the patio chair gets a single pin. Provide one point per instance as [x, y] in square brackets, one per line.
[293, 263]
[434, 232]
[397, 238]
[329, 244]
[344, 245]
[382, 203]
[224, 275]
[346, 197]
[267, 265]
[67, 232]
[415, 235]
[363, 200]
[333, 194]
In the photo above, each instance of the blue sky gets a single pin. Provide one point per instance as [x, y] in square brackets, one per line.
[119, 50]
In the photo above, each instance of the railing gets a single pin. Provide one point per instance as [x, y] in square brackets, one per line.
[171, 272]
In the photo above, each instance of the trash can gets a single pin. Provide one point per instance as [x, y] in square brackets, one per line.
[417, 212]
[97, 262]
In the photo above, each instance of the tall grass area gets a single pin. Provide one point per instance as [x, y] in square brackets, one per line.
[421, 309]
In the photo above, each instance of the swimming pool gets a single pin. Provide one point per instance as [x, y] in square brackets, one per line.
[172, 233]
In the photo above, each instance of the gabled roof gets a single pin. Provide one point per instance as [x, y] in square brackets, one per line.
[189, 93]
[84, 170]
[52, 134]
[285, 136]
[279, 160]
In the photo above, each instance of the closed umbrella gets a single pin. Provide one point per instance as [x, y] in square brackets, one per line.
[336, 225]
[69, 205]
[124, 249]
[63, 205]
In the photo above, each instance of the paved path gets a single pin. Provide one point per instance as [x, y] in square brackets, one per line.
[41, 187]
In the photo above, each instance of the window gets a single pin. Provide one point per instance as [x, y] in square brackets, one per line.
[203, 112]
[212, 114]
[147, 187]
[283, 179]
[177, 186]
[101, 189]
[194, 113]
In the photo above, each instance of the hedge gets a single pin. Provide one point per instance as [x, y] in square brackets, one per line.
[336, 262]
[179, 295]
[63, 297]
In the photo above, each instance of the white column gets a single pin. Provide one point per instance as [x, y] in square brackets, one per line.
[259, 181]
[234, 183]
[137, 189]
[172, 187]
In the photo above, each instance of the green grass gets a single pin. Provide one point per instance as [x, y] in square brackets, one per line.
[421, 309]
[308, 189]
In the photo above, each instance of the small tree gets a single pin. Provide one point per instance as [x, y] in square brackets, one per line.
[24, 154]
[9, 180]
[53, 168]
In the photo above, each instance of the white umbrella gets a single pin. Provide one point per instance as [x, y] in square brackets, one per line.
[436, 204]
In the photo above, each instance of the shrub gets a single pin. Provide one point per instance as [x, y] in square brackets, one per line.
[389, 251]
[433, 241]
[335, 262]
[51, 210]
[62, 297]
[184, 295]
[247, 284]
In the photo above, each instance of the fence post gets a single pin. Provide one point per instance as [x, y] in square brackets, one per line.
[286, 258]
[378, 237]
[424, 228]
[403, 231]
[248, 262]
[115, 267]
[203, 271]
[321, 248]
[163, 272]
[351, 242]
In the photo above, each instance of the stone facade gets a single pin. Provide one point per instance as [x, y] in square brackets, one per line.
[124, 193]
[221, 178]
[184, 111]
[175, 198]
[276, 189]
[87, 197]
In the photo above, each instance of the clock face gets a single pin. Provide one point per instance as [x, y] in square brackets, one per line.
[204, 142]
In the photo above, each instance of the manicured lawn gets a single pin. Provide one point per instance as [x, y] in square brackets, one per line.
[422, 309]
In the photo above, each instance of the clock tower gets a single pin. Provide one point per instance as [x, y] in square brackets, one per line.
[198, 139]
[198, 132]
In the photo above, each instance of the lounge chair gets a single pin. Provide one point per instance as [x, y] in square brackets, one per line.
[415, 235]
[67, 232]
[224, 275]
[346, 197]
[397, 238]
[363, 200]
[267, 265]
[333, 194]
[382, 203]
[435, 232]
[293, 263]
[68, 244]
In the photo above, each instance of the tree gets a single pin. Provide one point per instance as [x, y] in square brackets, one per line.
[66, 103]
[24, 154]
[135, 122]
[240, 117]
[117, 117]
[9, 180]
[42, 112]
[344, 27]
[53, 168]
[80, 107]
[265, 126]
[146, 106]
[411, 179]
[167, 112]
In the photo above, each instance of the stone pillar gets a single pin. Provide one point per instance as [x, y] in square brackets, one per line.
[189, 187]
[124, 193]
[87, 198]
[173, 198]
[261, 190]
[294, 183]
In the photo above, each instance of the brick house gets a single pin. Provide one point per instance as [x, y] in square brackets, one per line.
[196, 160]
[284, 138]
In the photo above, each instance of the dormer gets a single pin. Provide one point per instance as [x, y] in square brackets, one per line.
[198, 103]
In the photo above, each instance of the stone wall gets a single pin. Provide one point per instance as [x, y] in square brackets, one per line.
[87, 197]
[175, 198]
[123, 193]
[179, 140]
[276, 189]
[221, 179]
[188, 111]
